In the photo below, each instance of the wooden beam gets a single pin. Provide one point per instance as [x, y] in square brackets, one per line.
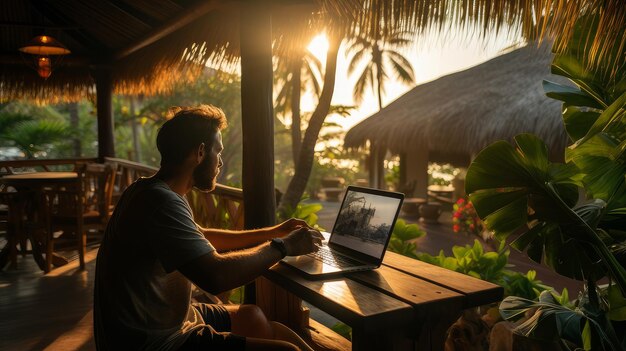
[134, 12]
[257, 118]
[189, 15]
[257, 114]
[104, 94]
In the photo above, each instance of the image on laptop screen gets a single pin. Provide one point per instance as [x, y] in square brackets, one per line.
[364, 222]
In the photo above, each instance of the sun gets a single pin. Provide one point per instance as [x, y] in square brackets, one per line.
[319, 46]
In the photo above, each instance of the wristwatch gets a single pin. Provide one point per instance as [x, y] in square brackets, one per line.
[279, 244]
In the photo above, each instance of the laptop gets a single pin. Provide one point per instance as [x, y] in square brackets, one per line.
[359, 237]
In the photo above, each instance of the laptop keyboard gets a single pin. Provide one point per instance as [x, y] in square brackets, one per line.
[325, 255]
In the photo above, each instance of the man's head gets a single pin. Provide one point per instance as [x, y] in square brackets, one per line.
[193, 133]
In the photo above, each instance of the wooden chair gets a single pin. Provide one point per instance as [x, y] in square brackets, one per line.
[8, 236]
[77, 209]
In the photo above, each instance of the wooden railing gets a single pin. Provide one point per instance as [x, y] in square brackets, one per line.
[19, 166]
[221, 208]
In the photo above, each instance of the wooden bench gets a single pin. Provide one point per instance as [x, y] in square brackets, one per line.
[406, 304]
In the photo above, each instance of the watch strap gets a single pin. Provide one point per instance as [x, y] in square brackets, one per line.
[279, 244]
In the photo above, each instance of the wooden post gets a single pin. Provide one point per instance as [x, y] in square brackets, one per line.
[417, 170]
[377, 170]
[379, 166]
[403, 183]
[104, 92]
[257, 117]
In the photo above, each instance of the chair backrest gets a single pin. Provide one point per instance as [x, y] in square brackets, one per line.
[98, 180]
[91, 193]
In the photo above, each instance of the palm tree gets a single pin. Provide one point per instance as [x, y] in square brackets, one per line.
[381, 54]
[295, 74]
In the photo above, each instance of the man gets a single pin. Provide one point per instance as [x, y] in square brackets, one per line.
[152, 250]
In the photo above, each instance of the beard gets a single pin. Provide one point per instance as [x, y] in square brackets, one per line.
[205, 176]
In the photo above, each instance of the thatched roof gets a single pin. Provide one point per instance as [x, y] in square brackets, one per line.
[143, 41]
[147, 45]
[461, 113]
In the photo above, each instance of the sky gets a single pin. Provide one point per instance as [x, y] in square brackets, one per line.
[432, 57]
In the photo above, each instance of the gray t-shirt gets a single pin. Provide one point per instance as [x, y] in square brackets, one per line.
[141, 301]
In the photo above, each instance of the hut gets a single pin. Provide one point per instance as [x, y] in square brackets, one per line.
[449, 120]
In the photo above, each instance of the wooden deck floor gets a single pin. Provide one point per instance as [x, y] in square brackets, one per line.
[47, 312]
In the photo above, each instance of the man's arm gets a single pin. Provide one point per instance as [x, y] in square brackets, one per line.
[230, 240]
[215, 272]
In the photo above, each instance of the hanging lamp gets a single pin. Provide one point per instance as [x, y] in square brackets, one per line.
[46, 52]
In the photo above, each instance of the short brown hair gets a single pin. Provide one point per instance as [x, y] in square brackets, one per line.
[187, 128]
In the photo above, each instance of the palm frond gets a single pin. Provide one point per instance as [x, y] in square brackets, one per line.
[365, 79]
[402, 67]
[356, 60]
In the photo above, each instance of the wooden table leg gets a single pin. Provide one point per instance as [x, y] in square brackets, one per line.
[9, 251]
[280, 305]
[382, 339]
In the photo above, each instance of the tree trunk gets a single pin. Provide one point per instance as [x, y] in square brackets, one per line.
[76, 143]
[307, 150]
[378, 64]
[296, 133]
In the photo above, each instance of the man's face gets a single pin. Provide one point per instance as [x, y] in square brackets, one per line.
[205, 174]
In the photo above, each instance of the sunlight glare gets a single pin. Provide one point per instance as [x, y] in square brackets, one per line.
[319, 46]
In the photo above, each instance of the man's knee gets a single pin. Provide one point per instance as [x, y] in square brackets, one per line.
[252, 314]
[249, 320]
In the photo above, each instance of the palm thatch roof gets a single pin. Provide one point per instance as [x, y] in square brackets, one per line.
[148, 44]
[459, 114]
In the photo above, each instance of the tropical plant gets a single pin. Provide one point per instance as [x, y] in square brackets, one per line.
[35, 137]
[465, 219]
[380, 54]
[402, 238]
[516, 188]
[308, 213]
[490, 266]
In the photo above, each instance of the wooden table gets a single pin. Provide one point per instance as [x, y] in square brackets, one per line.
[406, 304]
[24, 204]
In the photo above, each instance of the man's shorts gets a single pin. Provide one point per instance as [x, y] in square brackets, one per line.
[215, 334]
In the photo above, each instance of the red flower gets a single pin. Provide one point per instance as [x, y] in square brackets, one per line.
[464, 217]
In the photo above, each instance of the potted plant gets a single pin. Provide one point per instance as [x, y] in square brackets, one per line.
[516, 188]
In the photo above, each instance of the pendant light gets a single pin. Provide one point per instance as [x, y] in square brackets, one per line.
[46, 52]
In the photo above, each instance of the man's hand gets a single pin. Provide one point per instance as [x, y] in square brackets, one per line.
[302, 241]
[289, 226]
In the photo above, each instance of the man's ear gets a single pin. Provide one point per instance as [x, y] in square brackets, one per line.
[200, 153]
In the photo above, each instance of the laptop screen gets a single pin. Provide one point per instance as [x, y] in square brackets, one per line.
[365, 222]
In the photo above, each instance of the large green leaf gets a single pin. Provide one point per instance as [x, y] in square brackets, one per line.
[578, 122]
[569, 95]
[497, 166]
[570, 67]
[502, 177]
[617, 304]
[584, 326]
[504, 196]
[611, 115]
